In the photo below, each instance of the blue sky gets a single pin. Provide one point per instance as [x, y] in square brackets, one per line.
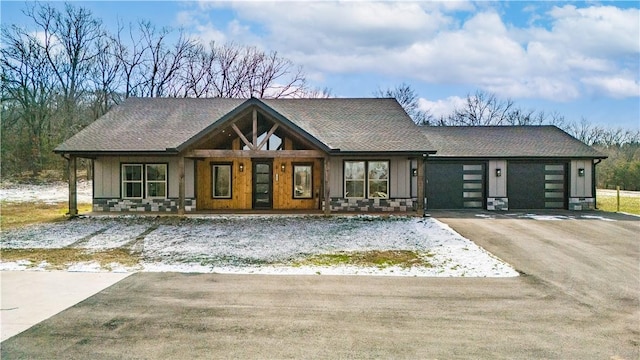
[580, 59]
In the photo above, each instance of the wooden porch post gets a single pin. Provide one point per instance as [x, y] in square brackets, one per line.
[421, 186]
[73, 186]
[181, 186]
[327, 193]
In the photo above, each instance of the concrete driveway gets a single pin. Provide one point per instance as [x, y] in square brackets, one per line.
[578, 299]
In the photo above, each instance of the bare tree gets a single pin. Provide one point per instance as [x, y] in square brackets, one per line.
[408, 99]
[28, 87]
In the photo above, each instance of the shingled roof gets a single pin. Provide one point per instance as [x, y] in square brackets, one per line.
[506, 142]
[150, 125]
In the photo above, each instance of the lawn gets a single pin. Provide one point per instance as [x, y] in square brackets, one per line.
[628, 204]
[19, 214]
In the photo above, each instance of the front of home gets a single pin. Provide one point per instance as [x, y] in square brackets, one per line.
[318, 155]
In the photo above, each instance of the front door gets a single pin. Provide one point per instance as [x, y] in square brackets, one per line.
[262, 185]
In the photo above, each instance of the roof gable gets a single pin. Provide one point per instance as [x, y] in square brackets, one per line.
[169, 125]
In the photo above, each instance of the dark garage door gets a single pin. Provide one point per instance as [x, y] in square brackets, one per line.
[536, 185]
[455, 185]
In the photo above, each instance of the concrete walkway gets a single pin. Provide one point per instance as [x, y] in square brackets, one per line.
[29, 297]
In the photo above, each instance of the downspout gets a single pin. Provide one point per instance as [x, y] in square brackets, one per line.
[593, 184]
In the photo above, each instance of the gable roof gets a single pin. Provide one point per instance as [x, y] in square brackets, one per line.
[506, 142]
[166, 125]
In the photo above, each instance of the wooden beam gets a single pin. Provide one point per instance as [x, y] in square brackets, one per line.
[255, 154]
[241, 136]
[327, 193]
[264, 141]
[181, 186]
[73, 186]
[255, 129]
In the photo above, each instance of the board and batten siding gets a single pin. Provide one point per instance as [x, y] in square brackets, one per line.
[497, 186]
[400, 179]
[581, 186]
[107, 181]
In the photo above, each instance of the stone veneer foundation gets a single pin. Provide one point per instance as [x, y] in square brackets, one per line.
[498, 203]
[581, 203]
[142, 205]
[373, 205]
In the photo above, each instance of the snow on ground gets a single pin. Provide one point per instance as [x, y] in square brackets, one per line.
[265, 244]
[48, 193]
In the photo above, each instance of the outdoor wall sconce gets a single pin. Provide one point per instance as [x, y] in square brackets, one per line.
[498, 172]
[414, 172]
[241, 166]
[282, 168]
[581, 172]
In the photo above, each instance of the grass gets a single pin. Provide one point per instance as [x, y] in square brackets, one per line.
[19, 214]
[628, 204]
[376, 258]
[60, 259]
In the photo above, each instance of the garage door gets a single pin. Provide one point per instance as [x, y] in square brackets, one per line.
[455, 185]
[536, 185]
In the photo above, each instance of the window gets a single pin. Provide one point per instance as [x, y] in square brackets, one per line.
[369, 176]
[302, 181]
[156, 180]
[221, 181]
[354, 179]
[132, 181]
[378, 179]
[139, 181]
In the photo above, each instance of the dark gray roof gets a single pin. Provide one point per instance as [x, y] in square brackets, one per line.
[506, 141]
[161, 124]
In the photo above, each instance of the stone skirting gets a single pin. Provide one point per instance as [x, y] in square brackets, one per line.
[141, 205]
[373, 205]
[498, 203]
[581, 203]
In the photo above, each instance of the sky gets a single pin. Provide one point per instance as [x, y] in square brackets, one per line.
[579, 59]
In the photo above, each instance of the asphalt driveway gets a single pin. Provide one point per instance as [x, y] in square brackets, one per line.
[578, 299]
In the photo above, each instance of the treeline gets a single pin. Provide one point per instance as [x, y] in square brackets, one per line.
[68, 70]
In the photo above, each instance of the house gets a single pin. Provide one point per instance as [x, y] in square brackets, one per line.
[324, 155]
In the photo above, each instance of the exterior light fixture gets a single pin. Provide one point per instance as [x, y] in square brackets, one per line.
[498, 172]
[282, 167]
[414, 172]
[241, 166]
[580, 172]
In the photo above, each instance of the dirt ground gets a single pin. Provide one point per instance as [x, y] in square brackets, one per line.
[578, 298]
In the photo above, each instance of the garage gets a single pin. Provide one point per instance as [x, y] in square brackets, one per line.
[455, 185]
[537, 185]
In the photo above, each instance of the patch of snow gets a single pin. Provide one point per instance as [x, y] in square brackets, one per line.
[596, 217]
[52, 193]
[546, 217]
[262, 244]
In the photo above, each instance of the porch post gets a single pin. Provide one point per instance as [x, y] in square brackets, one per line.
[181, 185]
[73, 186]
[327, 193]
[421, 185]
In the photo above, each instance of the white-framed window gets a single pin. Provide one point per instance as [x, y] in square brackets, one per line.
[221, 184]
[366, 179]
[144, 181]
[132, 181]
[302, 181]
[156, 180]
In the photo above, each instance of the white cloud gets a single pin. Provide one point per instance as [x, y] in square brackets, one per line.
[580, 51]
[442, 107]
